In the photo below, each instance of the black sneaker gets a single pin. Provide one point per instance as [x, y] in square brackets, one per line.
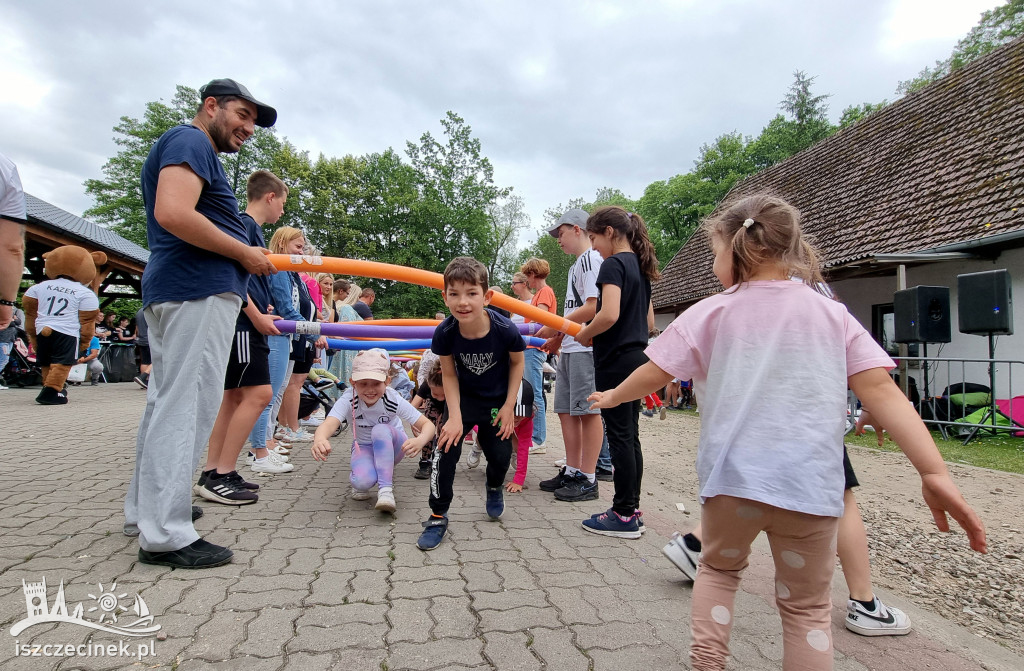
[578, 488]
[423, 473]
[236, 479]
[197, 512]
[203, 477]
[50, 396]
[142, 380]
[199, 554]
[220, 489]
[605, 475]
[495, 502]
[556, 482]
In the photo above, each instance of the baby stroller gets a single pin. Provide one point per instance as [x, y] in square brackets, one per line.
[21, 370]
[314, 395]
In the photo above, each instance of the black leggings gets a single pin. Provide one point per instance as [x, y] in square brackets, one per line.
[442, 474]
[622, 426]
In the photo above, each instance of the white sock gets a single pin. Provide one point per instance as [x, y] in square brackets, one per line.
[592, 477]
[570, 470]
[261, 460]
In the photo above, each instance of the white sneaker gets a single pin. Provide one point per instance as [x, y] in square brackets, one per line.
[279, 433]
[360, 494]
[311, 421]
[385, 500]
[473, 458]
[281, 450]
[273, 465]
[685, 559]
[300, 436]
[882, 621]
[538, 449]
[283, 458]
[559, 463]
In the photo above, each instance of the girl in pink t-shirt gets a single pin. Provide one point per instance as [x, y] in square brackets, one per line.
[764, 349]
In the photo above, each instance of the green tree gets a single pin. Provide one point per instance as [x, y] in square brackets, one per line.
[331, 193]
[855, 113]
[807, 124]
[118, 196]
[547, 247]
[456, 184]
[997, 27]
[258, 153]
[808, 112]
[389, 215]
[294, 168]
[675, 207]
[506, 220]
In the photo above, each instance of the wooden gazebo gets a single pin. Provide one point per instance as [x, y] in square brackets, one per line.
[49, 227]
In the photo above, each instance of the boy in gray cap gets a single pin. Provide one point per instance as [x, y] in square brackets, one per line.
[582, 430]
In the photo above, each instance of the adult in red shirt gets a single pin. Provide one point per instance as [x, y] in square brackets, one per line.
[537, 271]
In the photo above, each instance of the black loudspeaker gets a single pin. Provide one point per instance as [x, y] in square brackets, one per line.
[985, 303]
[921, 314]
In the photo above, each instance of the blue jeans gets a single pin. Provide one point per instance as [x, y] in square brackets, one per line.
[280, 347]
[534, 374]
[5, 354]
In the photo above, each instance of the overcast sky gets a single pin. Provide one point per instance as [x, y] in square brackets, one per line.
[566, 97]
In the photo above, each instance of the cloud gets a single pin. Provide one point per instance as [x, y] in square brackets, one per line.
[565, 97]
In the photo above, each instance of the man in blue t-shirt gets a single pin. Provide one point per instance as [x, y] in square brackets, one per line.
[192, 289]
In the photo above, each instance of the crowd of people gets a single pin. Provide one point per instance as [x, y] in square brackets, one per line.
[770, 345]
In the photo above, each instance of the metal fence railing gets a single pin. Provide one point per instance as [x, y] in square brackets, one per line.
[969, 396]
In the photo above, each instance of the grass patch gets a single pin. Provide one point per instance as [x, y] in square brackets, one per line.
[1001, 452]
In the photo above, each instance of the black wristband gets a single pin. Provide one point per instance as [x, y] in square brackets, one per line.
[4, 301]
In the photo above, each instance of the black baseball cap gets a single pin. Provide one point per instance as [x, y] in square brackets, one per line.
[266, 115]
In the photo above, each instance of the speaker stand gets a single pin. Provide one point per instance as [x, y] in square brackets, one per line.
[927, 399]
[990, 412]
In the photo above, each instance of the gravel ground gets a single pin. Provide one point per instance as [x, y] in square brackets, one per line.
[936, 571]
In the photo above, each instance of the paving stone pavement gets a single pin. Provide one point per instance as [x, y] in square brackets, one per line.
[323, 582]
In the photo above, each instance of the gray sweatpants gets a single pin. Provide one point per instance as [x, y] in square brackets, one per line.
[190, 342]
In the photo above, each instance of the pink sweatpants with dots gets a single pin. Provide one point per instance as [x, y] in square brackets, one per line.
[804, 550]
[375, 464]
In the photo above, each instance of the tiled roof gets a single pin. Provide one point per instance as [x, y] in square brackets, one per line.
[54, 217]
[938, 167]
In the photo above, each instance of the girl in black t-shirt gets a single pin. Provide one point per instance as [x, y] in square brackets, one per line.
[123, 333]
[429, 399]
[619, 334]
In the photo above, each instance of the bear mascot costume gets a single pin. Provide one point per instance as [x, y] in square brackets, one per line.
[60, 316]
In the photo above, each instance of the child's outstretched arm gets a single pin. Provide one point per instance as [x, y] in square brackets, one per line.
[321, 446]
[424, 432]
[886, 402]
[644, 380]
[611, 296]
[451, 432]
[583, 313]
